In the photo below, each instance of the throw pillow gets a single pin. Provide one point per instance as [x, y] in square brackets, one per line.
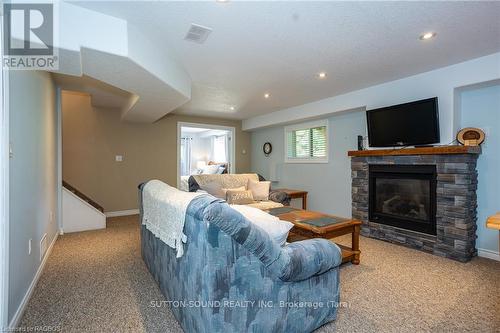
[235, 197]
[224, 190]
[260, 190]
[276, 228]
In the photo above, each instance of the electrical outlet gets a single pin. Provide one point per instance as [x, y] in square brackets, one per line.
[119, 158]
[29, 246]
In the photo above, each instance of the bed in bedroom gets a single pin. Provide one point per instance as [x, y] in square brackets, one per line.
[211, 168]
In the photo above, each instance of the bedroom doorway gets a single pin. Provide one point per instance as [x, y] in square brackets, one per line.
[203, 148]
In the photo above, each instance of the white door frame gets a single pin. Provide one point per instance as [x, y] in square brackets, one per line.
[4, 188]
[59, 186]
[232, 147]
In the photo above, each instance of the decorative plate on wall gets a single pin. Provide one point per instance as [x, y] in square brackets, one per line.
[267, 148]
[470, 136]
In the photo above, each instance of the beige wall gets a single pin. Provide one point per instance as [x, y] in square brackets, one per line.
[92, 137]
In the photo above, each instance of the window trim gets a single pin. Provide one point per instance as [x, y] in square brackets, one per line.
[302, 126]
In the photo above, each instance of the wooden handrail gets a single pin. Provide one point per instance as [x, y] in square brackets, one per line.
[82, 196]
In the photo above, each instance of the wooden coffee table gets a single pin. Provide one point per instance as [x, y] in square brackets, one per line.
[308, 224]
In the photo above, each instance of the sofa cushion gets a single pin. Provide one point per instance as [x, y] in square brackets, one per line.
[224, 190]
[260, 190]
[276, 228]
[214, 189]
[238, 197]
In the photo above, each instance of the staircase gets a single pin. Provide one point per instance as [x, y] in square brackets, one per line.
[79, 212]
[82, 196]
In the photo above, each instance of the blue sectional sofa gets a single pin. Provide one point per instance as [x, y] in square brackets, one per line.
[234, 278]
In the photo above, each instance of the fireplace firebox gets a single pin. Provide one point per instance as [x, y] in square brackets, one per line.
[403, 196]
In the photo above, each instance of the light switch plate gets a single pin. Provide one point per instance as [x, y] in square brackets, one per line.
[119, 158]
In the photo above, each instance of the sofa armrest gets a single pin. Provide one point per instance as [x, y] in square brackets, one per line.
[294, 262]
[281, 197]
[302, 260]
[193, 184]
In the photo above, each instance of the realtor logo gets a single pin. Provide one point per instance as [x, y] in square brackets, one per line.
[29, 36]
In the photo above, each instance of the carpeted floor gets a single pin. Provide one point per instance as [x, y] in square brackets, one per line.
[96, 281]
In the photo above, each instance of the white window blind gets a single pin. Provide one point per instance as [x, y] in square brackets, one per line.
[307, 143]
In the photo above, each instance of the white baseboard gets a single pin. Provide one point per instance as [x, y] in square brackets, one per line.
[488, 254]
[20, 310]
[122, 213]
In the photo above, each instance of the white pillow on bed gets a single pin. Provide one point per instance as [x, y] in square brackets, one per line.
[276, 228]
[210, 169]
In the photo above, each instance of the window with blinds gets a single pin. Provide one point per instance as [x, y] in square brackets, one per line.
[307, 142]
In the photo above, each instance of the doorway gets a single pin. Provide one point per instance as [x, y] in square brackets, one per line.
[203, 149]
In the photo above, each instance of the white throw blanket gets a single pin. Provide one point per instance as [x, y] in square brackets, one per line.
[164, 212]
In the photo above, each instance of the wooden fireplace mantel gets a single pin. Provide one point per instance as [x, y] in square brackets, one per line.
[438, 150]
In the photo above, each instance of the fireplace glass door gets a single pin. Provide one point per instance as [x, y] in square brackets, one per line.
[403, 196]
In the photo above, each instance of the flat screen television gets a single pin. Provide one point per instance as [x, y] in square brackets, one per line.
[409, 124]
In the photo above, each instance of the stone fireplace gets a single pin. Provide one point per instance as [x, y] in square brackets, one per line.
[424, 198]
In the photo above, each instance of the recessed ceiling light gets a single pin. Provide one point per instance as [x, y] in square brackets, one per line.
[222, 0]
[427, 35]
[267, 95]
[321, 75]
[232, 108]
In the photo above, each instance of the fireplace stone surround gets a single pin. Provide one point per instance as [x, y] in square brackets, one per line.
[456, 185]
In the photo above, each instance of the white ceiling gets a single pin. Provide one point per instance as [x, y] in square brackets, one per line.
[98, 51]
[278, 47]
